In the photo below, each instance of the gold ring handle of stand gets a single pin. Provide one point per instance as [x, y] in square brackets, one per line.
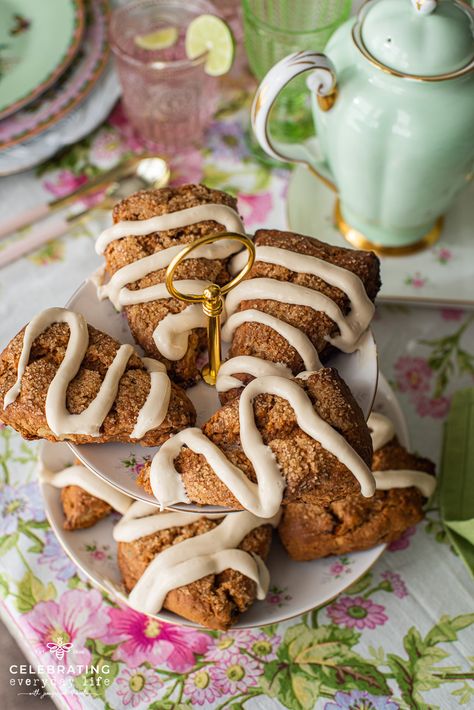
[212, 297]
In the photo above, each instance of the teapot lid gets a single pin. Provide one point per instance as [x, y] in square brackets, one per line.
[418, 38]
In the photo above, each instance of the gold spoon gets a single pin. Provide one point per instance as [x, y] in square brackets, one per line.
[150, 172]
[147, 172]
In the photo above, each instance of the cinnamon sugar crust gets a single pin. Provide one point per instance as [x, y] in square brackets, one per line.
[143, 318]
[355, 523]
[81, 509]
[262, 341]
[312, 474]
[27, 413]
[215, 601]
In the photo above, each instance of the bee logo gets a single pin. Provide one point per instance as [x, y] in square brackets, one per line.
[60, 648]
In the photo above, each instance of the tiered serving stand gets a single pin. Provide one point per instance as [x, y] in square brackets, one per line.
[307, 585]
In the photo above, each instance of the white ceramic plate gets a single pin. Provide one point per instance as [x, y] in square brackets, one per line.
[299, 586]
[441, 274]
[119, 464]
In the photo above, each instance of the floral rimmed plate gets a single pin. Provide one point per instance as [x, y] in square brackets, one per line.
[38, 41]
[71, 89]
[79, 122]
[119, 464]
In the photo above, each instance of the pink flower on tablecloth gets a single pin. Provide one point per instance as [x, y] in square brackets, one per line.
[262, 646]
[136, 686]
[75, 617]
[230, 645]
[357, 612]
[437, 407]
[106, 149]
[451, 314]
[413, 374]
[187, 167]
[226, 646]
[144, 639]
[65, 182]
[255, 209]
[237, 675]
[201, 688]
[403, 541]
[397, 585]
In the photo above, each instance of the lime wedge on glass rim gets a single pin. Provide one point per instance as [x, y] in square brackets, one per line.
[208, 33]
[161, 39]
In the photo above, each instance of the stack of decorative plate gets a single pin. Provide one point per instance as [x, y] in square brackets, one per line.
[295, 431]
[55, 87]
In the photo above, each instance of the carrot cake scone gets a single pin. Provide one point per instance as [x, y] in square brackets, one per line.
[302, 439]
[301, 299]
[207, 570]
[61, 379]
[85, 498]
[404, 481]
[150, 228]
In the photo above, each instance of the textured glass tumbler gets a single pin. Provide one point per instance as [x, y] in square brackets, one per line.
[168, 98]
[275, 28]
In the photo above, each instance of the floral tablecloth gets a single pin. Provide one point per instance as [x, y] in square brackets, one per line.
[402, 636]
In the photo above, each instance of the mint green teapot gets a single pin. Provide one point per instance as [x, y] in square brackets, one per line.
[393, 105]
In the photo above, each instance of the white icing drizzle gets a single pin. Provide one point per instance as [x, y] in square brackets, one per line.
[159, 291]
[295, 336]
[81, 476]
[143, 519]
[249, 365]
[171, 338]
[153, 412]
[385, 480]
[222, 214]
[196, 557]
[351, 326]
[88, 422]
[172, 333]
[383, 431]
[264, 497]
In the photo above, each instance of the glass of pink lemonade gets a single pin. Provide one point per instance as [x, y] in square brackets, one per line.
[168, 98]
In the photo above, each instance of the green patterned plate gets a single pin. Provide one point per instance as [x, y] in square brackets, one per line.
[38, 40]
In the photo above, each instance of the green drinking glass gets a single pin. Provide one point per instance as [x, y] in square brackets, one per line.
[275, 28]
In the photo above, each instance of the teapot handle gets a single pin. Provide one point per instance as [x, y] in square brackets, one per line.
[322, 81]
